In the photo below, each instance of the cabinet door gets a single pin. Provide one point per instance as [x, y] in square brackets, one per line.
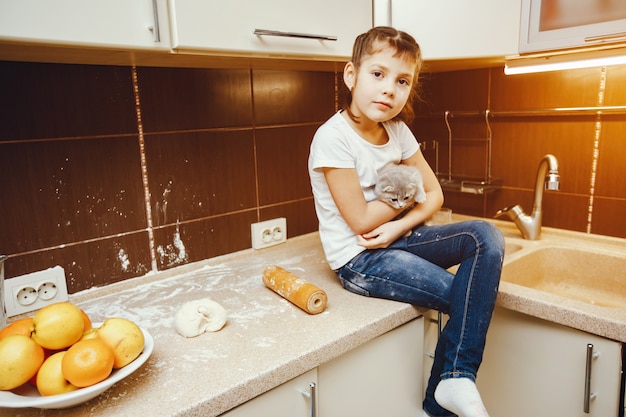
[533, 367]
[453, 29]
[431, 337]
[96, 23]
[291, 399]
[228, 26]
[383, 377]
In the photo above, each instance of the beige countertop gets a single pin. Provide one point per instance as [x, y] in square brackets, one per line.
[267, 340]
[609, 322]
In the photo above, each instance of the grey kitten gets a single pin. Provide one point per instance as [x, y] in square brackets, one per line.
[400, 185]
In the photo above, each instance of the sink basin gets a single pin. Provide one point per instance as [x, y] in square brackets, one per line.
[591, 277]
[510, 248]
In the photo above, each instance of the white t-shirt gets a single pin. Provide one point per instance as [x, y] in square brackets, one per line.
[337, 145]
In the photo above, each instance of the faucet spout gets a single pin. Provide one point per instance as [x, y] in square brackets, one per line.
[547, 178]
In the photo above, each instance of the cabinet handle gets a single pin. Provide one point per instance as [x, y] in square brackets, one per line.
[439, 324]
[313, 389]
[264, 32]
[588, 394]
[613, 37]
[312, 396]
[156, 29]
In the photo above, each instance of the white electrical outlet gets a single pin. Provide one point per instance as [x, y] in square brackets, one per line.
[269, 233]
[33, 291]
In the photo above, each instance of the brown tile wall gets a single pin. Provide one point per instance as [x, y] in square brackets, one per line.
[519, 142]
[220, 149]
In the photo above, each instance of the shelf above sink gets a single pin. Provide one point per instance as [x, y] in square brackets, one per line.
[470, 186]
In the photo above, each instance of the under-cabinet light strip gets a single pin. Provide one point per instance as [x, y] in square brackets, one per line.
[557, 62]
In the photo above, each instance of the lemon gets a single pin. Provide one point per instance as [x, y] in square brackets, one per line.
[125, 338]
[58, 326]
[20, 358]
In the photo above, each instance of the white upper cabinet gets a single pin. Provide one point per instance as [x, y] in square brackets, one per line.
[455, 29]
[128, 24]
[227, 27]
[561, 24]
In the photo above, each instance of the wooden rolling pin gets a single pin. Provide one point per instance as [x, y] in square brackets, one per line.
[297, 290]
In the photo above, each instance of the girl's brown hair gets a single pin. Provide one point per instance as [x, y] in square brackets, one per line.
[373, 41]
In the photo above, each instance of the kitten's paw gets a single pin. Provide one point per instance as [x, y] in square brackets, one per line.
[420, 197]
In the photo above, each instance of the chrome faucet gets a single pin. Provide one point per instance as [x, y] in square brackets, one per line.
[548, 178]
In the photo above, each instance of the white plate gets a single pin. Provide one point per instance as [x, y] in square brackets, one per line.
[27, 395]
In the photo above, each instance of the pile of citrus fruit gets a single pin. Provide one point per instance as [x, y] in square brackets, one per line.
[58, 350]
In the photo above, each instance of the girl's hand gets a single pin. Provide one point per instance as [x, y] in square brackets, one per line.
[382, 236]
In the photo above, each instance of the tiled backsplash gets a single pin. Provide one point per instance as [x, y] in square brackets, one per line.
[114, 172]
[87, 151]
[589, 147]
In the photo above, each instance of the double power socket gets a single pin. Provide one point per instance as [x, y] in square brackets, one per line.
[35, 290]
[269, 233]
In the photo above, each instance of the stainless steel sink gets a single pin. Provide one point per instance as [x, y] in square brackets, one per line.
[594, 278]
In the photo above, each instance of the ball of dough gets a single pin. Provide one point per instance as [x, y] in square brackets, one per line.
[199, 316]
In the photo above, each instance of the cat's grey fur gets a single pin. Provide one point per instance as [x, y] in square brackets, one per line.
[400, 185]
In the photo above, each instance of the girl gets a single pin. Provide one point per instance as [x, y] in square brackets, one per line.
[366, 242]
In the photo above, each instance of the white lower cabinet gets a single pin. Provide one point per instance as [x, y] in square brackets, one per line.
[431, 336]
[291, 399]
[533, 367]
[379, 378]
[383, 377]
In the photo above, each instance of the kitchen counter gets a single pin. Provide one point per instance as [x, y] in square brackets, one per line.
[267, 340]
[609, 322]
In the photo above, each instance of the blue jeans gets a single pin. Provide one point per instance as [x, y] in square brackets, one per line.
[413, 270]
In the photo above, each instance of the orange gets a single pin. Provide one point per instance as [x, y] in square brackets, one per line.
[46, 354]
[87, 362]
[86, 321]
[21, 326]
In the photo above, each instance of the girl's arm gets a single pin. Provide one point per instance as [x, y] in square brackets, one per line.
[371, 221]
[361, 216]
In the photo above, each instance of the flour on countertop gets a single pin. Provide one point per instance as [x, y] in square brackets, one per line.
[237, 286]
[201, 355]
[263, 342]
[155, 304]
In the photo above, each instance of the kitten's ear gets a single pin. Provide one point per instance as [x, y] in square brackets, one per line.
[388, 189]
